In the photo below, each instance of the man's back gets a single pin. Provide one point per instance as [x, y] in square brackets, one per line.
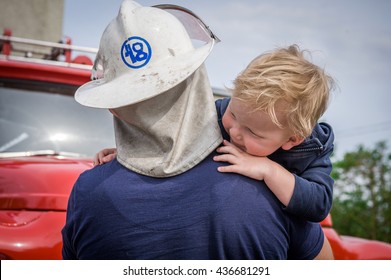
[115, 213]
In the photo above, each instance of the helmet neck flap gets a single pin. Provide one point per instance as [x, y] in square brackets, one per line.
[170, 133]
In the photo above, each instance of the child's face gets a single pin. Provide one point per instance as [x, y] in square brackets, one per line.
[253, 132]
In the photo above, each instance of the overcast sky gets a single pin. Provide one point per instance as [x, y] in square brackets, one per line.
[350, 39]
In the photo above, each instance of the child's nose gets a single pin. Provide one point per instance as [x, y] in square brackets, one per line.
[235, 134]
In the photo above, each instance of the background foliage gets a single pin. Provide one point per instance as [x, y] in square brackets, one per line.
[362, 193]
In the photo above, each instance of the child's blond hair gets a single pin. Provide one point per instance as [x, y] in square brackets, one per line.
[284, 78]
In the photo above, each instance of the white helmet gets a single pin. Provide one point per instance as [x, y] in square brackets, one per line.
[143, 52]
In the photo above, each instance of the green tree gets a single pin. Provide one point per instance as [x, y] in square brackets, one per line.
[362, 193]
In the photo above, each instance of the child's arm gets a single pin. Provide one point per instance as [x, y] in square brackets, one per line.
[279, 180]
[309, 195]
[313, 193]
[105, 156]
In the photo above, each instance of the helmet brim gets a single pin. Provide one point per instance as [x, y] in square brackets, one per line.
[135, 87]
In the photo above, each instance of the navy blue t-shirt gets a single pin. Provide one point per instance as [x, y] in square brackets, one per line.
[114, 213]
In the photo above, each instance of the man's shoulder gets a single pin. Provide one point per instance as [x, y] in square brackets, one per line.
[231, 188]
[99, 172]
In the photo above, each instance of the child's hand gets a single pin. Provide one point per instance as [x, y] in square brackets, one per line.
[241, 162]
[105, 156]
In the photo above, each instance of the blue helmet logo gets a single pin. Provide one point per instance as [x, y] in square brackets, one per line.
[136, 52]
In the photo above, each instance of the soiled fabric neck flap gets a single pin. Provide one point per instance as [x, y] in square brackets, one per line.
[170, 133]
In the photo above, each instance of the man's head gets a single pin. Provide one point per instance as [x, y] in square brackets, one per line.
[150, 74]
[144, 52]
[293, 91]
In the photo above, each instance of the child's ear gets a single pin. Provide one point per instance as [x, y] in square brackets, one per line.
[292, 142]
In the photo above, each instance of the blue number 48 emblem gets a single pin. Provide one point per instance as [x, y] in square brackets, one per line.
[136, 52]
